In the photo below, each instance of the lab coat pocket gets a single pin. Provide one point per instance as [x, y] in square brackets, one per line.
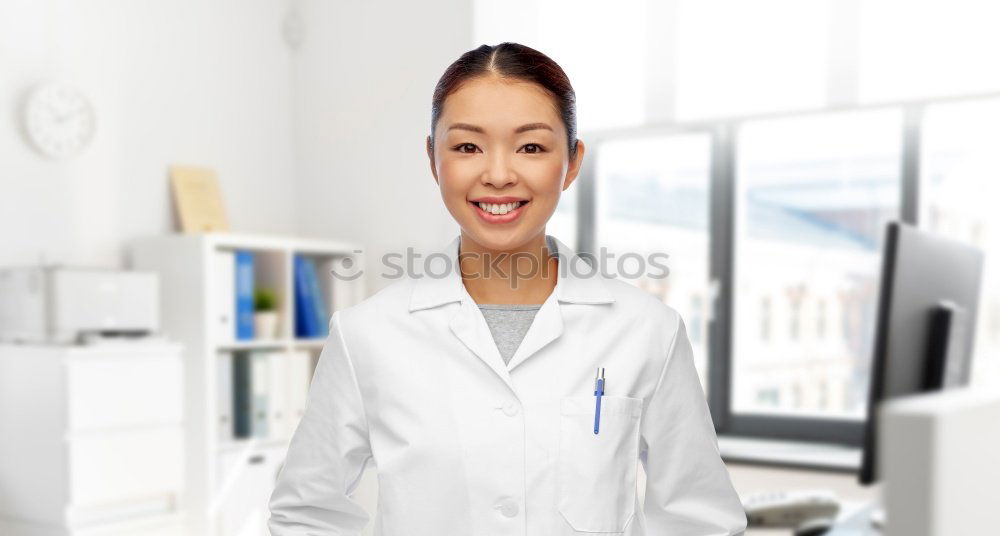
[596, 473]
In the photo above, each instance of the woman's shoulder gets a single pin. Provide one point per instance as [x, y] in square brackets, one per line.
[383, 302]
[630, 297]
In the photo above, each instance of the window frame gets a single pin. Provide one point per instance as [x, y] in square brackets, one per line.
[722, 205]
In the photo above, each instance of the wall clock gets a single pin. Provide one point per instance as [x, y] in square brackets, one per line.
[59, 120]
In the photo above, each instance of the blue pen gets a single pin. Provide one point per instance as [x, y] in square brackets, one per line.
[598, 393]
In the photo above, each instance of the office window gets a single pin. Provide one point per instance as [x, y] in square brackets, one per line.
[739, 58]
[821, 319]
[960, 187]
[696, 321]
[934, 48]
[769, 397]
[824, 394]
[994, 321]
[609, 72]
[795, 296]
[813, 194]
[652, 198]
[765, 319]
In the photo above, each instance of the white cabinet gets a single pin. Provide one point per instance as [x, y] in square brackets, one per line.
[92, 439]
[247, 477]
[115, 389]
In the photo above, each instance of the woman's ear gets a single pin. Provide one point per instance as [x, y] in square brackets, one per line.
[430, 156]
[575, 164]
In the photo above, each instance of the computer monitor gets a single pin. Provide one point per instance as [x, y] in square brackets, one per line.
[927, 310]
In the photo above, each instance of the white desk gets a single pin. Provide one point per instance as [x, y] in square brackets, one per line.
[790, 453]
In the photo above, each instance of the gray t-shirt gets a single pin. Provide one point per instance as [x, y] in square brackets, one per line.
[509, 323]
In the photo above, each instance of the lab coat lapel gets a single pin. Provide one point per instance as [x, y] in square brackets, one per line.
[546, 327]
[469, 325]
[575, 285]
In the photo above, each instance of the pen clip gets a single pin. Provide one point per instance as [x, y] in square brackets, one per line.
[599, 384]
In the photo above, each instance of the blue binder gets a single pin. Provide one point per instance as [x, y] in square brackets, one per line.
[316, 301]
[244, 295]
[305, 317]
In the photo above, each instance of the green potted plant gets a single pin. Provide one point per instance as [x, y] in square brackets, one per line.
[265, 316]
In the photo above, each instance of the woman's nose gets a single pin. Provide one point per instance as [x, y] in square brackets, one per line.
[499, 173]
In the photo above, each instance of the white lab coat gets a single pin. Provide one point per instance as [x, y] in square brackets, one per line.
[464, 445]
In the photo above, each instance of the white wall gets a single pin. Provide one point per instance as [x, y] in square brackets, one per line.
[364, 77]
[325, 141]
[178, 81]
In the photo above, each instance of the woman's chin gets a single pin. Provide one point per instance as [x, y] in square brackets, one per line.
[493, 239]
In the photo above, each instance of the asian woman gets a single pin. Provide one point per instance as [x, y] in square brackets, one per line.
[518, 391]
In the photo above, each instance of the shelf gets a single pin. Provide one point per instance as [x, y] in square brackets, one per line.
[249, 443]
[197, 310]
[273, 344]
[263, 344]
[310, 343]
[280, 243]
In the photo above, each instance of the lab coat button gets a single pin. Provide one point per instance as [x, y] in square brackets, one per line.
[510, 409]
[508, 508]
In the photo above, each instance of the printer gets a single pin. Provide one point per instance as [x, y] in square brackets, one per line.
[66, 305]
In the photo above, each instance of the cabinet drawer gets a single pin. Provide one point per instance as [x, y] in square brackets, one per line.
[123, 390]
[135, 529]
[126, 468]
[248, 483]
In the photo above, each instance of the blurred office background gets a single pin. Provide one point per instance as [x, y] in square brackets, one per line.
[762, 144]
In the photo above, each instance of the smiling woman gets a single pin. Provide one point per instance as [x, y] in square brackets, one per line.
[471, 390]
[502, 149]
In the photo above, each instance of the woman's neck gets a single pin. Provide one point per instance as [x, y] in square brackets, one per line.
[526, 275]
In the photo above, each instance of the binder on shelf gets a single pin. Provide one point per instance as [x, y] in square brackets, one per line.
[241, 395]
[225, 306]
[305, 316]
[260, 400]
[225, 398]
[299, 377]
[277, 394]
[244, 295]
[250, 385]
[316, 300]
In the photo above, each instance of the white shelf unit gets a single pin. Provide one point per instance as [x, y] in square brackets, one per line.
[217, 468]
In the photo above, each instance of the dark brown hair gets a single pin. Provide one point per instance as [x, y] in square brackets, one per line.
[510, 60]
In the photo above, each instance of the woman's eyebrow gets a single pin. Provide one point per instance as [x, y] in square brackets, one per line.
[518, 130]
[532, 126]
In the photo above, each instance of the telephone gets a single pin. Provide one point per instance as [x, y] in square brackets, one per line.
[805, 511]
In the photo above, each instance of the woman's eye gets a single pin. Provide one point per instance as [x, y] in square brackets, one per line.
[529, 148]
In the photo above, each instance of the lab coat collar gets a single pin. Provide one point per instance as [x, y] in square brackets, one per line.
[576, 283]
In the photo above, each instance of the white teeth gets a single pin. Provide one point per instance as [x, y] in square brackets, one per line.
[499, 209]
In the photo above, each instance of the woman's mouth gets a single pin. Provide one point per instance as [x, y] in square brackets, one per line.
[499, 212]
